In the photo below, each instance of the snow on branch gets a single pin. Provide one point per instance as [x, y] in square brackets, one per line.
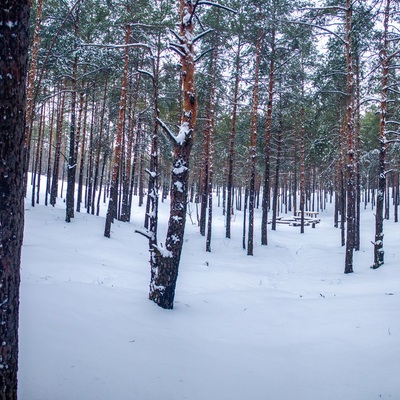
[170, 135]
[203, 54]
[117, 46]
[392, 132]
[177, 48]
[199, 36]
[144, 232]
[179, 38]
[395, 54]
[210, 3]
[151, 173]
[162, 251]
[146, 73]
[393, 122]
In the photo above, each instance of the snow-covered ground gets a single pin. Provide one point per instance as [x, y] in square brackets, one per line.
[284, 324]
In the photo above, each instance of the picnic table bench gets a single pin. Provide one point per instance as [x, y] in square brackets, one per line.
[310, 218]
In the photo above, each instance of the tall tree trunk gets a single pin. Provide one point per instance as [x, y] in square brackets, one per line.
[131, 149]
[277, 168]
[378, 244]
[351, 165]
[35, 174]
[253, 144]
[151, 222]
[245, 206]
[72, 157]
[268, 128]
[30, 106]
[120, 128]
[302, 164]
[232, 142]
[48, 177]
[89, 172]
[14, 40]
[166, 259]
[57, 150]
[358, 156]
[211, 135]
[295, 158]
[84, 101]
[204, 176]
[99, 145]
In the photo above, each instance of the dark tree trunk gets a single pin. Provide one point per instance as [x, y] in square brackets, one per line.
[72, 158]
[14, 41]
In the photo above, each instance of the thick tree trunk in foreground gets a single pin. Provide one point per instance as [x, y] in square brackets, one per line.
[14, 31]
[165, 260]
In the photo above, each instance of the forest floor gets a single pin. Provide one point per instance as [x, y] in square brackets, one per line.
[284, 324]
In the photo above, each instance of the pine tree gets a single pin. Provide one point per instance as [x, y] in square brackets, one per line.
[14, 31]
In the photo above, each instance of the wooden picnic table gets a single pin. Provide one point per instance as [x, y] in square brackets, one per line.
[311, 214]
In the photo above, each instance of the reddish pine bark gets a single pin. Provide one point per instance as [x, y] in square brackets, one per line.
[165, 260]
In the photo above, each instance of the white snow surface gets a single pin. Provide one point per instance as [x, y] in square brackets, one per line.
[284, 324]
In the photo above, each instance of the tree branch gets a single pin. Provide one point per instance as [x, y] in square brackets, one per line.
[202, 34]
[315, 26]
[147, 234]
[170, 135]
[176, 49]
[209, 3]
[177, 36]
[146, 73]
[203, 54]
